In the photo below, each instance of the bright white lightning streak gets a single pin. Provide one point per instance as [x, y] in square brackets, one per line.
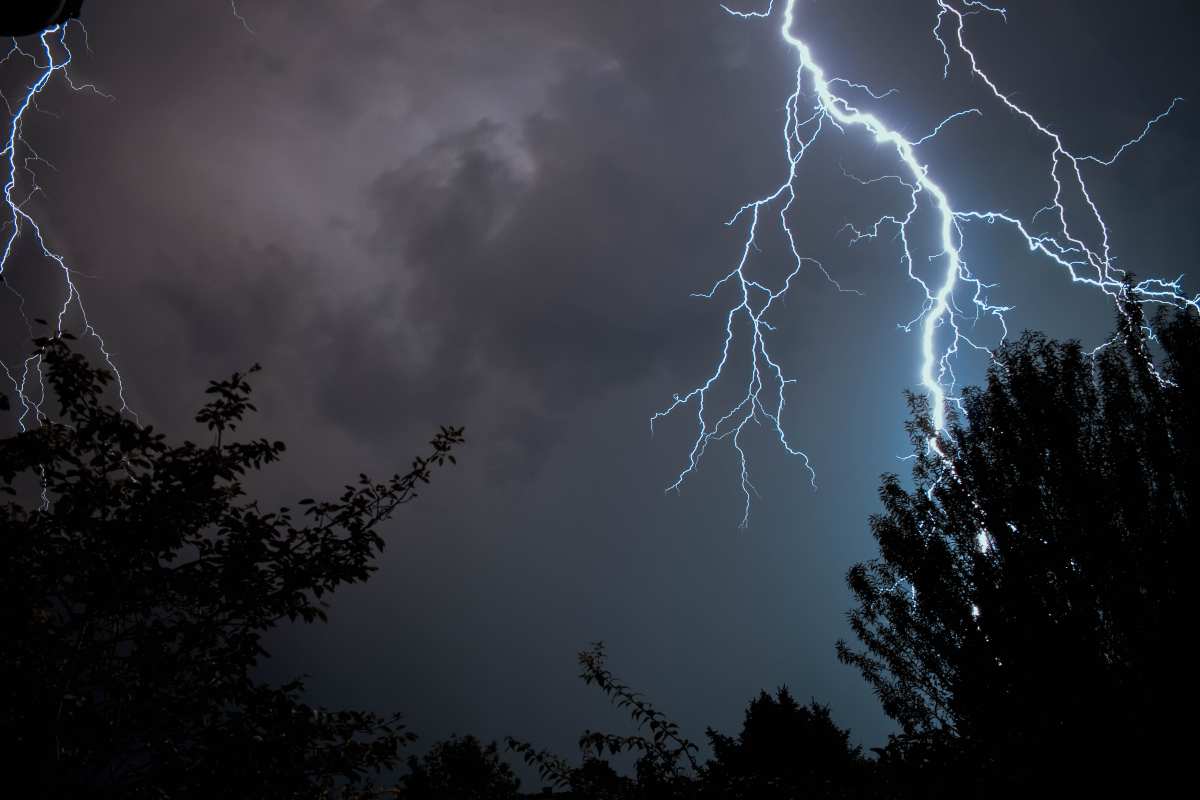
[19, 159]
[1085, 264]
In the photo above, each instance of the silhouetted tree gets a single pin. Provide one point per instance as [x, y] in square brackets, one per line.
[665, 767]
[1025, 618]
[785, 750]
[596, 778]
[459, 769]
[136, 582]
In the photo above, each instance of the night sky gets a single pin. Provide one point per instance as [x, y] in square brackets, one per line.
[493, 214]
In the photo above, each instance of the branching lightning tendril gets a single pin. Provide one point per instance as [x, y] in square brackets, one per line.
[238, 15]
[940, 320]
[51, 64]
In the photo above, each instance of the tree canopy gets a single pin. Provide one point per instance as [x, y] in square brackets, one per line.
[786, 750]
[1024, 620]
[459, 768]
[137, 580]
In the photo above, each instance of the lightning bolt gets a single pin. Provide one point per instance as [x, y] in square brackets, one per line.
[51, 63]
[238, 15]
[941, 322]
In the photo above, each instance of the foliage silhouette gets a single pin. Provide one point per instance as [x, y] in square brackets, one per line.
[1023, 621]
[459, 769]
[786, 750]
[31, 17]
[665, 765]
[136, 582]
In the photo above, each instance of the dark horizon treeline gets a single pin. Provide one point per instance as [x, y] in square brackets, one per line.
[1024, 622]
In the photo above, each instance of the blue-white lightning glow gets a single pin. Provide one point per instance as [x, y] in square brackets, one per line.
[51, 61]
[940, 323]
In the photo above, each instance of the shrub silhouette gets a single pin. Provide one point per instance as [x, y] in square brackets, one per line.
[137, 579]
[460, 768]
[786, 750]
